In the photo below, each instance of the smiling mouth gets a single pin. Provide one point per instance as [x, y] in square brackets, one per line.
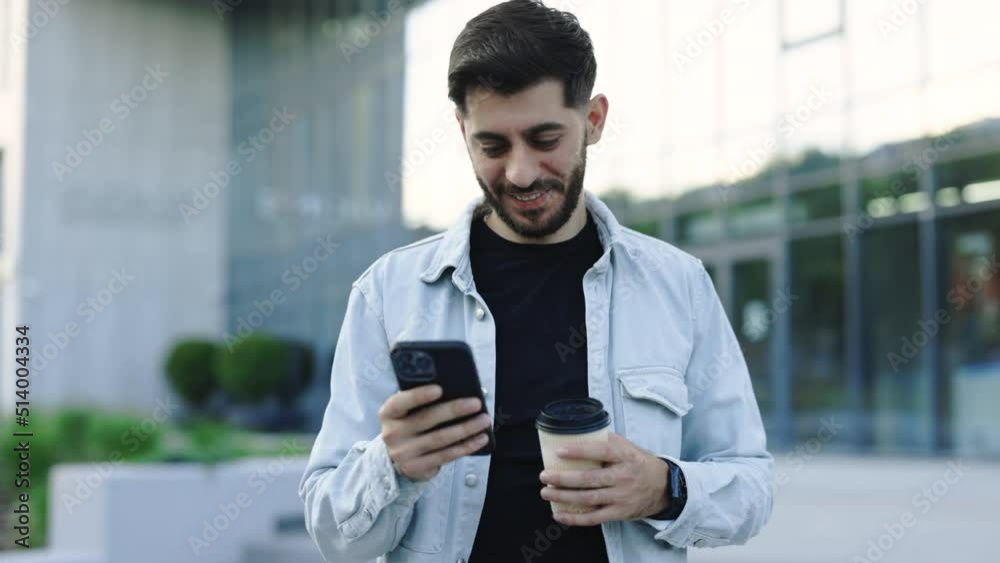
[529, 197]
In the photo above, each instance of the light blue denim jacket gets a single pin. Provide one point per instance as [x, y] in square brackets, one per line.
[661, 356]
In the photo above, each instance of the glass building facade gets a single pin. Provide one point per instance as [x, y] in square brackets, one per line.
[847, 205]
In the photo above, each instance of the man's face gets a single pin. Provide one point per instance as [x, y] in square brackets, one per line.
[528, 145]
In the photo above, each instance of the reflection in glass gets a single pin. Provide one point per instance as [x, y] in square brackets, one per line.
[897, 382]
[972, 180]
[805, 20]
[699, 227]
[970, 333]
[884, 196]
[752, 218]
[814, 204]
[754, 313]
[819, 380]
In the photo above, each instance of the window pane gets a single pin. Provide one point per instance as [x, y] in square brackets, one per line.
[699, 227]
[752, 218]
[693, 168]
[814, 203]
[884, 196]
[753, 321]
[802, 20]
[888, 119]
[955, 32]
[749, 63]
[970, 303]
[969, 180]
[965, 99]
[897, 389]
[819, 381]
[884, 56]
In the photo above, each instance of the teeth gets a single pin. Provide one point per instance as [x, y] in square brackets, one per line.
[529, 198]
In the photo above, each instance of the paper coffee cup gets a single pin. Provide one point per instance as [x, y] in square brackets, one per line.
[571, 421]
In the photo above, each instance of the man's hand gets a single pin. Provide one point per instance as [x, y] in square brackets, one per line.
[419, 454]
[631, 485]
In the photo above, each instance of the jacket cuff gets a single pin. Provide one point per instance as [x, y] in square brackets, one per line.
[384, 487]
[681, 531]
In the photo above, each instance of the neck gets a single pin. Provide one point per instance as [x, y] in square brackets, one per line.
[576, 223]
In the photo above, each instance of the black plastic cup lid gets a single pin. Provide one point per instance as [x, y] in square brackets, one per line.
[573, 416]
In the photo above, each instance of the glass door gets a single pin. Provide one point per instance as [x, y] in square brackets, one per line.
[746, 278]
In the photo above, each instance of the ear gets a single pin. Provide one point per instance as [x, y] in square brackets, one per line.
[596, 117]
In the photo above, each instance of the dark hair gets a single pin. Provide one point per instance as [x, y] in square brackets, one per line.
[515, 45]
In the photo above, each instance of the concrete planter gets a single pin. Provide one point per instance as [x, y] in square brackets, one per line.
[169, 513]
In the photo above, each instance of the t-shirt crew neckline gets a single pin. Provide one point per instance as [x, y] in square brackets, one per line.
[494, 241]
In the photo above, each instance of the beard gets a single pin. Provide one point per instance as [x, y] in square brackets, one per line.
[541, 221]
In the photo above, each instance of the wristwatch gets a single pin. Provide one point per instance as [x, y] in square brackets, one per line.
[676, 492]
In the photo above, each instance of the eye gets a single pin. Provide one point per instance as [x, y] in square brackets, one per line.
[493, 151]
[547, 143]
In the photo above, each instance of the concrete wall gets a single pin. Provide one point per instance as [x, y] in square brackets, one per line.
[111, 273]
[13, 55]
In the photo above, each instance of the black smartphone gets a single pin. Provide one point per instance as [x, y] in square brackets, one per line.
[448, 363]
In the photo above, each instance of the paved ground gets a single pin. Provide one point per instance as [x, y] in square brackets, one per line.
[830, 508]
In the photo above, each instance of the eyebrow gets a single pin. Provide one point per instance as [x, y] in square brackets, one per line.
[527, 133]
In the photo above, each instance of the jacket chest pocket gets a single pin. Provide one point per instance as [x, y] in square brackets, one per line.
[426, 533]
[654, 399]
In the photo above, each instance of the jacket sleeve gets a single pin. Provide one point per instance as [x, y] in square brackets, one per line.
[724, 456]
[356, 506]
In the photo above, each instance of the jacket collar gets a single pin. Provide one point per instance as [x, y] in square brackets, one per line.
[453, 252]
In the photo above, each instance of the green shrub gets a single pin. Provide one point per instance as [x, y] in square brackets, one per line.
[70, 435]
[253, 368]
[191, 370]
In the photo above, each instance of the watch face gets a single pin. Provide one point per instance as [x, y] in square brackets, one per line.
[678, 489]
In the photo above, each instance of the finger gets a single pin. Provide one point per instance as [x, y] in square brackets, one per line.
[599, 516]
[443, 437]
[583, 497]
[436, 459]
[576, 479]
[594, 451]
[402, 402]
[432, 416]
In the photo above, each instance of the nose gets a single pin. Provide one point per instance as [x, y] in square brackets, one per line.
[522, 168]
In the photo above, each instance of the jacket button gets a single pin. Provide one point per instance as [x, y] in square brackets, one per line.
[471, 480]
[480, 313]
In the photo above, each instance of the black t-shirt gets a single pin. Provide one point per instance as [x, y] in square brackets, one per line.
[535, 294]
